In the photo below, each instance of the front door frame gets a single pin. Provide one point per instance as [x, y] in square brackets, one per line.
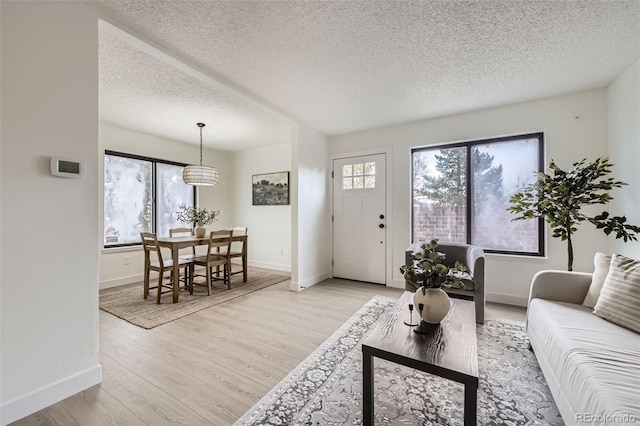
[387, 150]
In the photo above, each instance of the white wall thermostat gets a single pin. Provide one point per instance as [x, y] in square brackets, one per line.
[65, 168]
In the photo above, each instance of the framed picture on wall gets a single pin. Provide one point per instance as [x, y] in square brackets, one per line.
[270, 189]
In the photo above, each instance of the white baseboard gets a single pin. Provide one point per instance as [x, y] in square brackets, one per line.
[268, 265]
[299, 286]
[18, 408]
[121, 281]
[506, 299]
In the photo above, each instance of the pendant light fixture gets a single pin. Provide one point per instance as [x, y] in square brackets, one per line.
[200, 175]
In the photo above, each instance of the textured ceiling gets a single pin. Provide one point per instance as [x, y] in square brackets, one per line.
[141, 92]
[343, 66]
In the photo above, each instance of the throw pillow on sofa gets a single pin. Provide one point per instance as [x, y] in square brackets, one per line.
[601, 262]
[619, 300]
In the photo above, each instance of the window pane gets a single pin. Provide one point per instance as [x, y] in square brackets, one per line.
[358, 182]
[358, 169]
[370, 168]
[369, 181]
[171, 193]
[439, 195]
[499, 171]
[347, 183]
[347, 170]
[127, 199]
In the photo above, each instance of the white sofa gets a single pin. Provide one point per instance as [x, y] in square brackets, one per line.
[591, 365]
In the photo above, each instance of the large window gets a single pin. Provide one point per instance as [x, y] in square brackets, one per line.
[141, 195]
[461, 192]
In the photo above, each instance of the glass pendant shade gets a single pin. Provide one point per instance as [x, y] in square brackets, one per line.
[200, 175]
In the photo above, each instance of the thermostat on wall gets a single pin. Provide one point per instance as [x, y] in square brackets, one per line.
[65, 168]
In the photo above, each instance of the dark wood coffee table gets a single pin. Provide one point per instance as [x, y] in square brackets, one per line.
[449, 350]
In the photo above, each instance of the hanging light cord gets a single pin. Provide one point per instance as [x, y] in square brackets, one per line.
[201, 125]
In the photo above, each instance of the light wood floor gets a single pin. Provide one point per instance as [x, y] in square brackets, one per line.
[210, 367]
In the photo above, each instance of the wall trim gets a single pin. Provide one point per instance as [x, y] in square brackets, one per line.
[299, 286]
[20, 407]
[121, 281]
[268, 265]
[506, 299]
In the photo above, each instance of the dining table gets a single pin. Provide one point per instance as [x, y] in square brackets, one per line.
[176, 243]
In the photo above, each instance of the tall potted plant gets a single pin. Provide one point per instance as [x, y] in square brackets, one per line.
[559, 196]
[427, 274]
[198, 217]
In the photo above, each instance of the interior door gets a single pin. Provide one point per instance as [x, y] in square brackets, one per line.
[359, 218]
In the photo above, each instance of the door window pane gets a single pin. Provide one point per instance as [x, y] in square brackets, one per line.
[370, 168]
[359, 176]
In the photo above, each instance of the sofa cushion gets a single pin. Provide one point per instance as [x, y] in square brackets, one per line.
[619, 300]
[601, 263]
[595, 362]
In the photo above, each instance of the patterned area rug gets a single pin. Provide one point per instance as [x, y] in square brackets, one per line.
[129, 305]
[326, 388]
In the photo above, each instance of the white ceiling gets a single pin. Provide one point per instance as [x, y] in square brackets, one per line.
[343, 66]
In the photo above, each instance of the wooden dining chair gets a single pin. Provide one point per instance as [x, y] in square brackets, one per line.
[187, 253]
[217, 256]
[238, 248]
[153, 262]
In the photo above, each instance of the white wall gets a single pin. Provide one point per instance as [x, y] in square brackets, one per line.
[567, 140]
[269, 226]
[623, 97]
[311, 239]
[113, 270]
[49, 245]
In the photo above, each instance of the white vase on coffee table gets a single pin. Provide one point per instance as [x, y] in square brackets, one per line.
[436, 304]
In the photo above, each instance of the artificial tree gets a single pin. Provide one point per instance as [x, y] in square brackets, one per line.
[559, 196]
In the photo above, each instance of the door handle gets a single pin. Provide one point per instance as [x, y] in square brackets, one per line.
[381, 225]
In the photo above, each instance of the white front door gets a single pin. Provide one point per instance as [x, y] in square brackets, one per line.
[359, 218]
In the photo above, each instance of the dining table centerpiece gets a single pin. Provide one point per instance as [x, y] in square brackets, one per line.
[197, 217]
[427, 274]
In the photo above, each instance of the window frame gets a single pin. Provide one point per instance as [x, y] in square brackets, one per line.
[154, 188]
[468, 145]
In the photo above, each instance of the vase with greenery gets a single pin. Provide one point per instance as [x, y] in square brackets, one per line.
[558, 196]
[427, 274]
[197, 216]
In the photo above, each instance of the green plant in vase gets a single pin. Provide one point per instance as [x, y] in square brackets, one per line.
[427, 274]
[197, 216]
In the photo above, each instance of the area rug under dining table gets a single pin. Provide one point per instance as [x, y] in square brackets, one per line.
[129, 305]
[326, 388]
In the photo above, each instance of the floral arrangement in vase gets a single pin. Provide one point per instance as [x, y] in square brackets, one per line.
[427, 275]
[197, 216]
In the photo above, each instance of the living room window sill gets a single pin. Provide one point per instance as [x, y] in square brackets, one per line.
[516, 256]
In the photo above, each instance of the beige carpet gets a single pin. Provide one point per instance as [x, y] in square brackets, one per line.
[129, 305]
